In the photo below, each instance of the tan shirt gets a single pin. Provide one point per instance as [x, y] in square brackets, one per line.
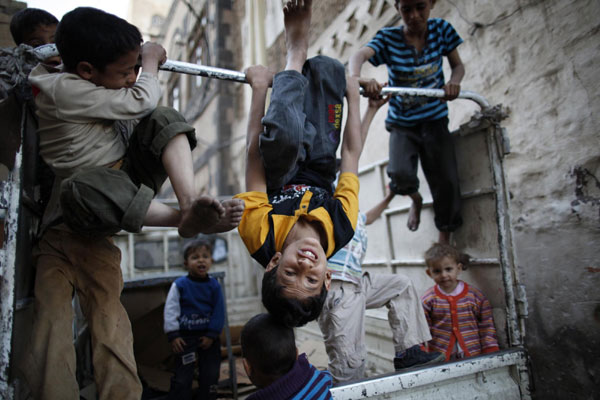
[77, 118]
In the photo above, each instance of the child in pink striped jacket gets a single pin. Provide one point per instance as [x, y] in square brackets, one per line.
[459, 315]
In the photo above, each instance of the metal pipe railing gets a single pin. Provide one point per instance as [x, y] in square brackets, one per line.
[50, 50]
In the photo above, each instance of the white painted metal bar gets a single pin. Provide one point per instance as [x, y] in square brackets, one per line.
[50, 50]
[392, 386]
[10, 195]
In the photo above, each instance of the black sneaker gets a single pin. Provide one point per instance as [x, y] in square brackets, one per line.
[414, 356]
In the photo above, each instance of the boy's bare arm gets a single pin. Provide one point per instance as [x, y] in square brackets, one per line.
[153, 55]
[372, 88]
[376, 211]
[374, 106]
[352, 143]
[452, 87]
[260, 78]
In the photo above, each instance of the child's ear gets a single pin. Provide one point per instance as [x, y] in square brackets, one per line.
[428, 273]
[85, 70]
[327, 279]
[247, 367]
[460, 267]
[274, 262]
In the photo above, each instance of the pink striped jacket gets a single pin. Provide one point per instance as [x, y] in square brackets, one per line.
[466, 317]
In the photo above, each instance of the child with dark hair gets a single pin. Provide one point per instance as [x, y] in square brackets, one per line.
[194, 317]
[418, 126]
[459, 315]
[111, 148]
[293, 220]
[34, 27]
[271, 360]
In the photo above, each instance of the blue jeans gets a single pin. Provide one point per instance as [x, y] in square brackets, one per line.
[209, 363]
[302, 126]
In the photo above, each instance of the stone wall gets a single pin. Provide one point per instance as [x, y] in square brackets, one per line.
[540, 59]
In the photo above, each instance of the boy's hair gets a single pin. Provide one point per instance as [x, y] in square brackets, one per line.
[27, 20]
[268, 345]
[439, 250]
[195, 245]
[289, 311]
[92, 35]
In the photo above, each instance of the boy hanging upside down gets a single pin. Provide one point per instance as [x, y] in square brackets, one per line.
[293, 220]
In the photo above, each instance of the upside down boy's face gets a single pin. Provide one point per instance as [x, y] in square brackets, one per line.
[302, 269]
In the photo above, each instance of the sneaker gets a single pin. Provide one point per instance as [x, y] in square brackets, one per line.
[414, 356]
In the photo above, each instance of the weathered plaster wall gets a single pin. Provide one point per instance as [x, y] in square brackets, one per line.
[541, 61]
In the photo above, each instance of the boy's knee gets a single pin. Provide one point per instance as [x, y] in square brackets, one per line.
[93, 207]
[163, 124]
[403, 183]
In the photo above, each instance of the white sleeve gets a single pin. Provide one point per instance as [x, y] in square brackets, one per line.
[172, 310]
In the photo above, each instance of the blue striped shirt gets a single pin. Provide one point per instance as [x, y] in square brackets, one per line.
[302, 382]
[407, 68]
[346, 264]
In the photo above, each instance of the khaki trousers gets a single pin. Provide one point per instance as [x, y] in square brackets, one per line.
[342, 320]
[67, 262]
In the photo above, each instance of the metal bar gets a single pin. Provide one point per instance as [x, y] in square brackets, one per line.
[165, 236]
[49, 50]
[8, 267]
[387, 385]
[504, 238]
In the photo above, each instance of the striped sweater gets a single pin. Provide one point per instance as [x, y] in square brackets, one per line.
[466, 318]
[302, 382]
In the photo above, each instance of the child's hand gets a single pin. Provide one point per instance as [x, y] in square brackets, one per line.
[259, 76]
[376, 103]
[177, 345]
[153, 55]
[452, 90]
[372, 88]
[205, 342]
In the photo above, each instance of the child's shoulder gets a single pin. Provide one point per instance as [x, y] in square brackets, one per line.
[429, 294]
[475, 291]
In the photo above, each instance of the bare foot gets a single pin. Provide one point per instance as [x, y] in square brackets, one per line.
[296, 18]
[234, 209]
[204, 213]
[414, 214]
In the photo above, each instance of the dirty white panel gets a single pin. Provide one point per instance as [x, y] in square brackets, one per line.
[473, 163]
[487, 377]
[478, 236]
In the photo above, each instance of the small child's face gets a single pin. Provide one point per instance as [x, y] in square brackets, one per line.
[121, 73]
[198, 262]
[302, 269]
[415, 13]
[445, 273]
[41, 35]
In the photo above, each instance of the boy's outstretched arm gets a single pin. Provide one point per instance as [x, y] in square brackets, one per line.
[376, 211]
[374, 106]
[372, 88]
[352, 143]
[452, 87]
[260, 78]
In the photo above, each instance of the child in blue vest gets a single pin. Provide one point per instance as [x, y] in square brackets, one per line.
[194, 317]
[418, 126]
